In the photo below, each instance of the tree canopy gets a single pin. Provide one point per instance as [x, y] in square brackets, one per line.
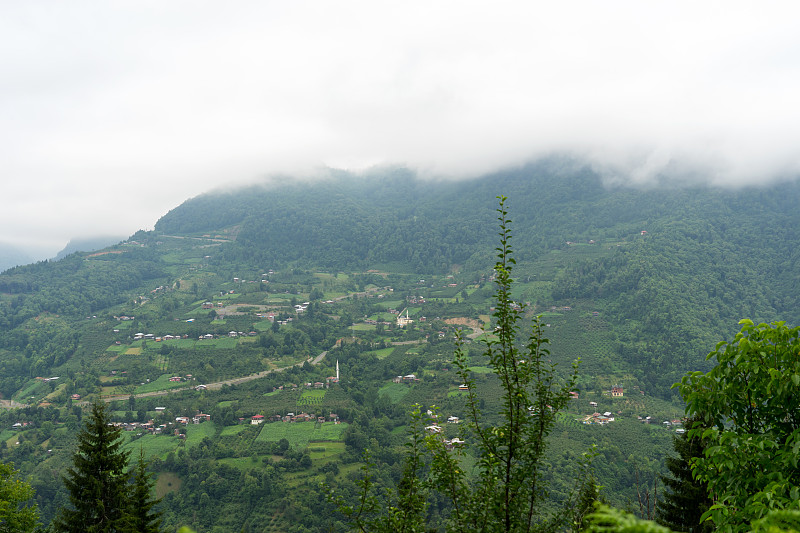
[15, 515]
[750, 398]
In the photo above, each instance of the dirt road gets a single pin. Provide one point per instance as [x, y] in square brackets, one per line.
[11, 404]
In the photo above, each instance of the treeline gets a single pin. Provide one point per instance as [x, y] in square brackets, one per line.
[74, 286]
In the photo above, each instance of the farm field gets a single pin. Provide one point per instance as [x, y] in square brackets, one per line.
[383, 352]
[233, 430]
[322, 453]
[195, 433]
[311, 397]
[162, 383]
[167, 482]
[153, 445]
[395, 391]
[299, 434]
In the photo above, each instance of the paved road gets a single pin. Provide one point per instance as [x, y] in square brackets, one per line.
[218, 384]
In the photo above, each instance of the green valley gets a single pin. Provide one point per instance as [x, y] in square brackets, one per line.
[257, 342]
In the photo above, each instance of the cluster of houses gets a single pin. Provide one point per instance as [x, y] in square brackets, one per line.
[408, 379]
[667, 424]
[239, 280]
[292, 417]
[376, 322]
[436, 428]
[206, 337]
[151, 337]
[199, 418]
[159, 429]
[179, 379]
[597, 418]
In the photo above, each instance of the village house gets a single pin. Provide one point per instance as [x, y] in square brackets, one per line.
[616, 391]
[597, 418]
[455, 442]
[257, 419]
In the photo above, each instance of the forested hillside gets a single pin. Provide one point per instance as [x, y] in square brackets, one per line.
[243, 305]
[707, 258]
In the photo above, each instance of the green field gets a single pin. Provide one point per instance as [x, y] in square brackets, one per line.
[325, 452]
[162, 383]
[6, 434]
[299, 434]
[195, 433]
[167, 482]
[383, 352]
[311, 397]
[233, 430]
[153, 445]
[117, 348]
[395, 391]
[31, 389]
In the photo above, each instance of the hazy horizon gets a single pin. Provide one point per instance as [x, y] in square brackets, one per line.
[116, 113]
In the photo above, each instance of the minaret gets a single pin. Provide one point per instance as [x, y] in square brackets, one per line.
[337, 370]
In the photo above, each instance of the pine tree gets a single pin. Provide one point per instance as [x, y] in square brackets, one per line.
[686, 499]
[98, 487]
[145, 520]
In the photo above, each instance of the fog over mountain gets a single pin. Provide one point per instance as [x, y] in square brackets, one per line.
[11, 256]
[88, 244]
[113, 114]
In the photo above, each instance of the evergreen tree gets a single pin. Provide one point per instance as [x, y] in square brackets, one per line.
[98, 487]
[145, 520]
[686, 498]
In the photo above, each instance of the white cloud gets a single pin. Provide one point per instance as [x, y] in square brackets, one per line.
[115, 113]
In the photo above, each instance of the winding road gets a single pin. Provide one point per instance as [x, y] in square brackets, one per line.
[218, 384]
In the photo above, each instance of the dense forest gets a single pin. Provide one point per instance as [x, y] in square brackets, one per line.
[285, 285]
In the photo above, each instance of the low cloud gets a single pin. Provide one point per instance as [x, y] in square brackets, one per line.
[115, 113]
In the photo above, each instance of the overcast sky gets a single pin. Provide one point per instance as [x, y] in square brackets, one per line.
[112, 113]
